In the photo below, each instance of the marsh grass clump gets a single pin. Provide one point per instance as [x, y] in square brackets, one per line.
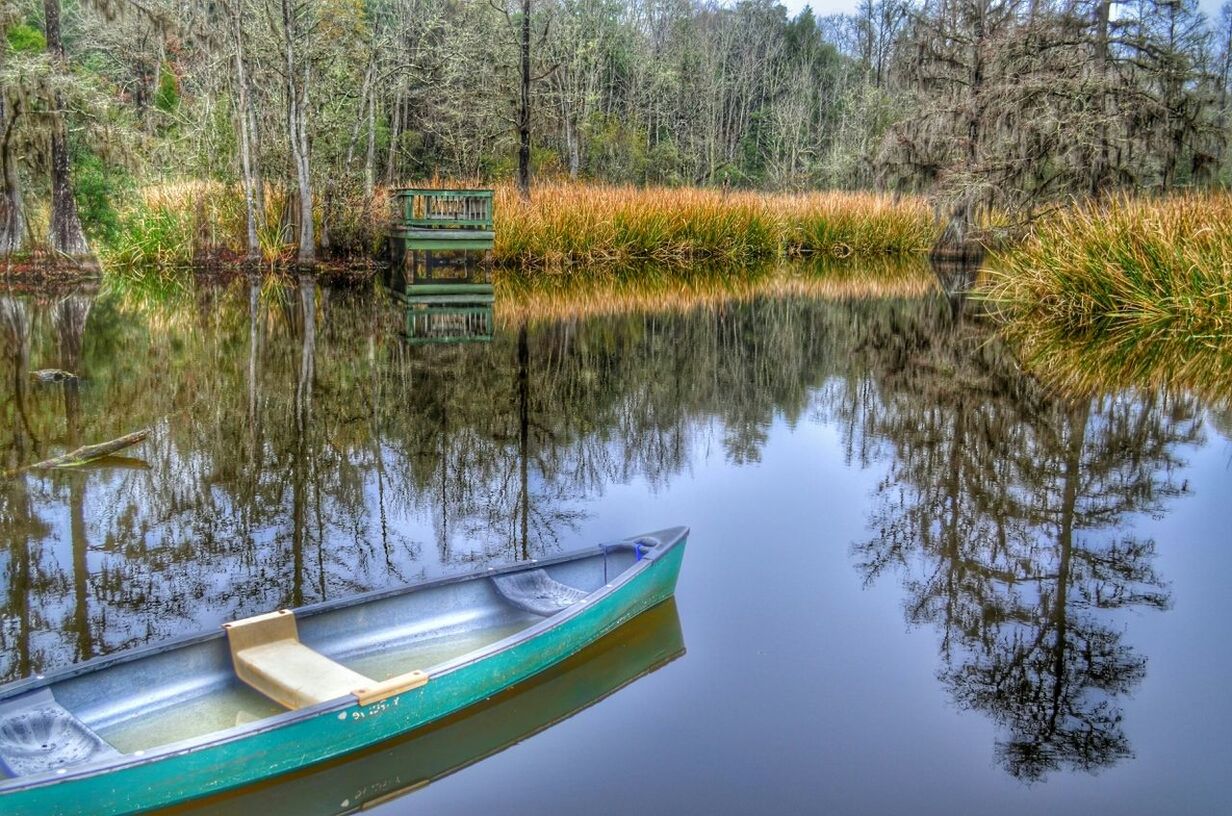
[855, 224]
[588, 224]
[201, 222]
[1128, 272]
[173, 225]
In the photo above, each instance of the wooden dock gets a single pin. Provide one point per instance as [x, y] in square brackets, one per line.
[440, 243]
[441, 219]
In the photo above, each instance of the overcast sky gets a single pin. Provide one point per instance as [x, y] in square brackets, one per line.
[824, 7]
[820, 7]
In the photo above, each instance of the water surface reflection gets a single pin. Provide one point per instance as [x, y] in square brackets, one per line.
[1004, 512]
[301, 449]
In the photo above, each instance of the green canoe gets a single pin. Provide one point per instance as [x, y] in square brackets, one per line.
[283, 691]
[403, 765]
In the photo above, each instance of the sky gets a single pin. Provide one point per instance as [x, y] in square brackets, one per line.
[824, 7]
[820, 7]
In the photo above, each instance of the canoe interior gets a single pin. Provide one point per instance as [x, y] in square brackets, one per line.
[641, 646]
[192, 691]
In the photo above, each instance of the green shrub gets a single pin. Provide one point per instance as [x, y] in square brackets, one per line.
[167, 97]
[26, 39]
[98, 186]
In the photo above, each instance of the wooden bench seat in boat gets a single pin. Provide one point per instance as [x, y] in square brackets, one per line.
[267, 655]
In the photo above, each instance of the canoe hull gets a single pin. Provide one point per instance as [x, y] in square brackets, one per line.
[638, 648]
[215, 767]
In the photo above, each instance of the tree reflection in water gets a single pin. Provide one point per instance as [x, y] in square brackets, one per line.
[1001, 510]
[302, 451]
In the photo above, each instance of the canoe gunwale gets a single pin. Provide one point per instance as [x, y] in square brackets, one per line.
[668, 539]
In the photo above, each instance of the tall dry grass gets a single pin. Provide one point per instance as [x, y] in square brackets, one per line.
[580, 225]
[174, 223]
[1136, 268]
[1135, 291]
[565, 226]
[179, 223]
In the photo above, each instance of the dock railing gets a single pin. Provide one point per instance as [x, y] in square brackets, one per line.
[422, 208]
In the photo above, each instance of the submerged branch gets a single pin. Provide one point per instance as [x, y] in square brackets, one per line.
[89, 453]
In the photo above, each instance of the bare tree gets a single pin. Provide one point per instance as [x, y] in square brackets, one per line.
[295, 26]
[12, 217]
[524, 106]
[66, 235]
[244, 122]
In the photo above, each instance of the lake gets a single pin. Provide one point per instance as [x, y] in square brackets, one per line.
[919, 578]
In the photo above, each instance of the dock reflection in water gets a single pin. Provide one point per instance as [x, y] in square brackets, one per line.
[448, 295]
[638, 648]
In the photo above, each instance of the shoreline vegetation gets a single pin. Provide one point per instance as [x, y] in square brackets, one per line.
[566, 226]
[1134, 292]
[1101, 355]
[1129, 272]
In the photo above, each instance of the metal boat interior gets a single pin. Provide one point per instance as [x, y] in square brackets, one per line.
[136, 701]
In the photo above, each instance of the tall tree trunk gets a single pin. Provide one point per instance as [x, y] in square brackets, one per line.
[370, 157]
[524, 441]
[572, 148]
[1102, 166]
[367, 120]
[303, 419]
[1079, 415]
[66, 235]
[12, 217]
[15, 336]
[254, 342]
[254, 138]
[308, 352]
[297, 132]
[1225, 76]
[524, 108]
[307, 241]
[81, 568]
[395, 128]
[247, 160]
[69, 319]
[18, 607]
[378, 455]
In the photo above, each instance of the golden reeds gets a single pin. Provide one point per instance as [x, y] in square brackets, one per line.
[1157, 266]
[580, 225]
[566, 226]
[1135, 286]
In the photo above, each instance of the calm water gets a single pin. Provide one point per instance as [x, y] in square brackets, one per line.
[918, 580]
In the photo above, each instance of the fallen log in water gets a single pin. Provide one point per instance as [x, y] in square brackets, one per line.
[89, 453]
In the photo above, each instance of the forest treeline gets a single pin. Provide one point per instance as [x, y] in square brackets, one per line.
[307, 108]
